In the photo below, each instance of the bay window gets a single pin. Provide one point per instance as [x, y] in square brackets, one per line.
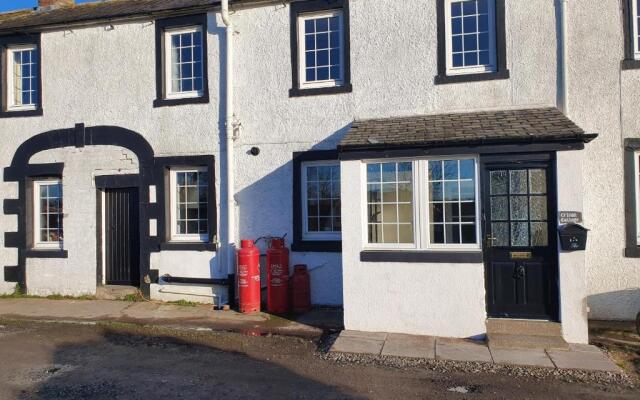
[422, 204]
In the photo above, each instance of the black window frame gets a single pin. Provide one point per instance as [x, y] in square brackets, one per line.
[7, 42]
[304, 7]
[632, 247]
[501, 71]
[299, 243]
[163, 169]
[162, 25]
[629, 61]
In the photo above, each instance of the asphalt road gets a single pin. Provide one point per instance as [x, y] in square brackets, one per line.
[68, 361]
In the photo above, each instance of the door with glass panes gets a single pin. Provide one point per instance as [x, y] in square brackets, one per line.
[519, 232]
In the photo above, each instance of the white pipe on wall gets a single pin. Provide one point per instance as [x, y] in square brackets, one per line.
[564, 50]
[229, 244]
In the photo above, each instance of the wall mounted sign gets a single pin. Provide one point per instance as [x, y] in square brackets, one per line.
[570, 217]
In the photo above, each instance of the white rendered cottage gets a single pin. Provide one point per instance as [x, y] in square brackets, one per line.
[416, 153]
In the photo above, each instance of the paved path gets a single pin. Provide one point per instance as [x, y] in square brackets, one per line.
[578, 357]
[156, 313]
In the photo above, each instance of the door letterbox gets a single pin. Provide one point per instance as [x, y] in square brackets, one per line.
[573, 237]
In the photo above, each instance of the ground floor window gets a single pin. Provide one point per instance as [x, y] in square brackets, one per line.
[189, 189]
[48, 218]
[321, 200]
[422, 203]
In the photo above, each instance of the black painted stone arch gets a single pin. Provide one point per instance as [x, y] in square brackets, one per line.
[79, 136]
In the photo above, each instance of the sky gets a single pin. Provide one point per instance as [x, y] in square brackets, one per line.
[8, 5]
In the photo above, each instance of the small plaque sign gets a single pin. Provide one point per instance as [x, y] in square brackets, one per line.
[570, 217]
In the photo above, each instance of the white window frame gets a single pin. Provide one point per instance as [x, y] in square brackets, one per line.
[302, 49]
[168, 93]
[421, 198]
[37, 243]
[636, 180]
[635, 29]
[175, 236]
[365, 212]
[481, 69]
[316, 236]
[11, 106]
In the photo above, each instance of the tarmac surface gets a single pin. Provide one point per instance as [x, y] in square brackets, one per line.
[113, 360]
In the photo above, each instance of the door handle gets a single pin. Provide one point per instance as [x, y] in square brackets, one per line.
[490, 239]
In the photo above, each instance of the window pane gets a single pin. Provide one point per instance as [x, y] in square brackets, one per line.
[539, 234]
[519, 208]
[538, 205]
[471, 31]
[500, 232]
[519, 234]
[452, 201]
[396, 213]
[538, 181]
[498, 184]
[500, 208]
[191, 203]
[323, 197]
[50, 217]
[322, 49]
[518, 181]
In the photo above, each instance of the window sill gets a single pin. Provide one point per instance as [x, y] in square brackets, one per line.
[630, 64]
[21, 113]
[298, 92]
[46, 253]
[188, 246]
[487, 76]
[632, 252]
[438, 257]
[181, 101]
[317, 246]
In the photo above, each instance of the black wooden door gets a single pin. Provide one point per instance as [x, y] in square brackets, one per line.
[122, 249]
[520, 248]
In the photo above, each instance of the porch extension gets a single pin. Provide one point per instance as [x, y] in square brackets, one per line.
[576, 357]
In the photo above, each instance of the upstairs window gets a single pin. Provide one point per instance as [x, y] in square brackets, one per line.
[320, 47]
[22, 77]
[635, 22]
[471, 41]
[181, 61]
[471, 36]
[184, 71]
[48, 232]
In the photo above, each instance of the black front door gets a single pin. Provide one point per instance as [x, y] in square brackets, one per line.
[520, 250]
[122, 249]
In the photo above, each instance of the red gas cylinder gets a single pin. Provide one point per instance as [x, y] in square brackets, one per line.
[249, 277]
[277, 277]
[301, 292]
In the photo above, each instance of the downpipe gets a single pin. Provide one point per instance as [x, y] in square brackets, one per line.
[229, 245]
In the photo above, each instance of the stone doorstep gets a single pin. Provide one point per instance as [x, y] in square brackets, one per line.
[525, 357]
[578, 356]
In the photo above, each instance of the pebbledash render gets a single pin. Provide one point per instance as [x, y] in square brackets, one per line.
[420, 156]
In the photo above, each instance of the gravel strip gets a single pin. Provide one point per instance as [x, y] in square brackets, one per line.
[445, 366]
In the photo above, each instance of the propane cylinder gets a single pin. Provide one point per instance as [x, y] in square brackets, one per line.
[249, 277]
[301, 291]
[277, 277]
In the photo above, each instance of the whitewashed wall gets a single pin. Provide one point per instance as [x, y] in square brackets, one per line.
[604, 100]
[103, 76]
[393, 64]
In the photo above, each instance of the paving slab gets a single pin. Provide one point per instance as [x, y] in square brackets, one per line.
[365, 335]
[462, 350]
[583, 360]
[62, 309]
[526, 357]
[399, 345]
[357, 345]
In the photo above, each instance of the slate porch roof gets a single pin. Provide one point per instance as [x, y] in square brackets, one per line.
[31, 19]
[489, 127]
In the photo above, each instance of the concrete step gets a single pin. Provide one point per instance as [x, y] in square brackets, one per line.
[115, 292]
[501, 326]
[503, 341]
